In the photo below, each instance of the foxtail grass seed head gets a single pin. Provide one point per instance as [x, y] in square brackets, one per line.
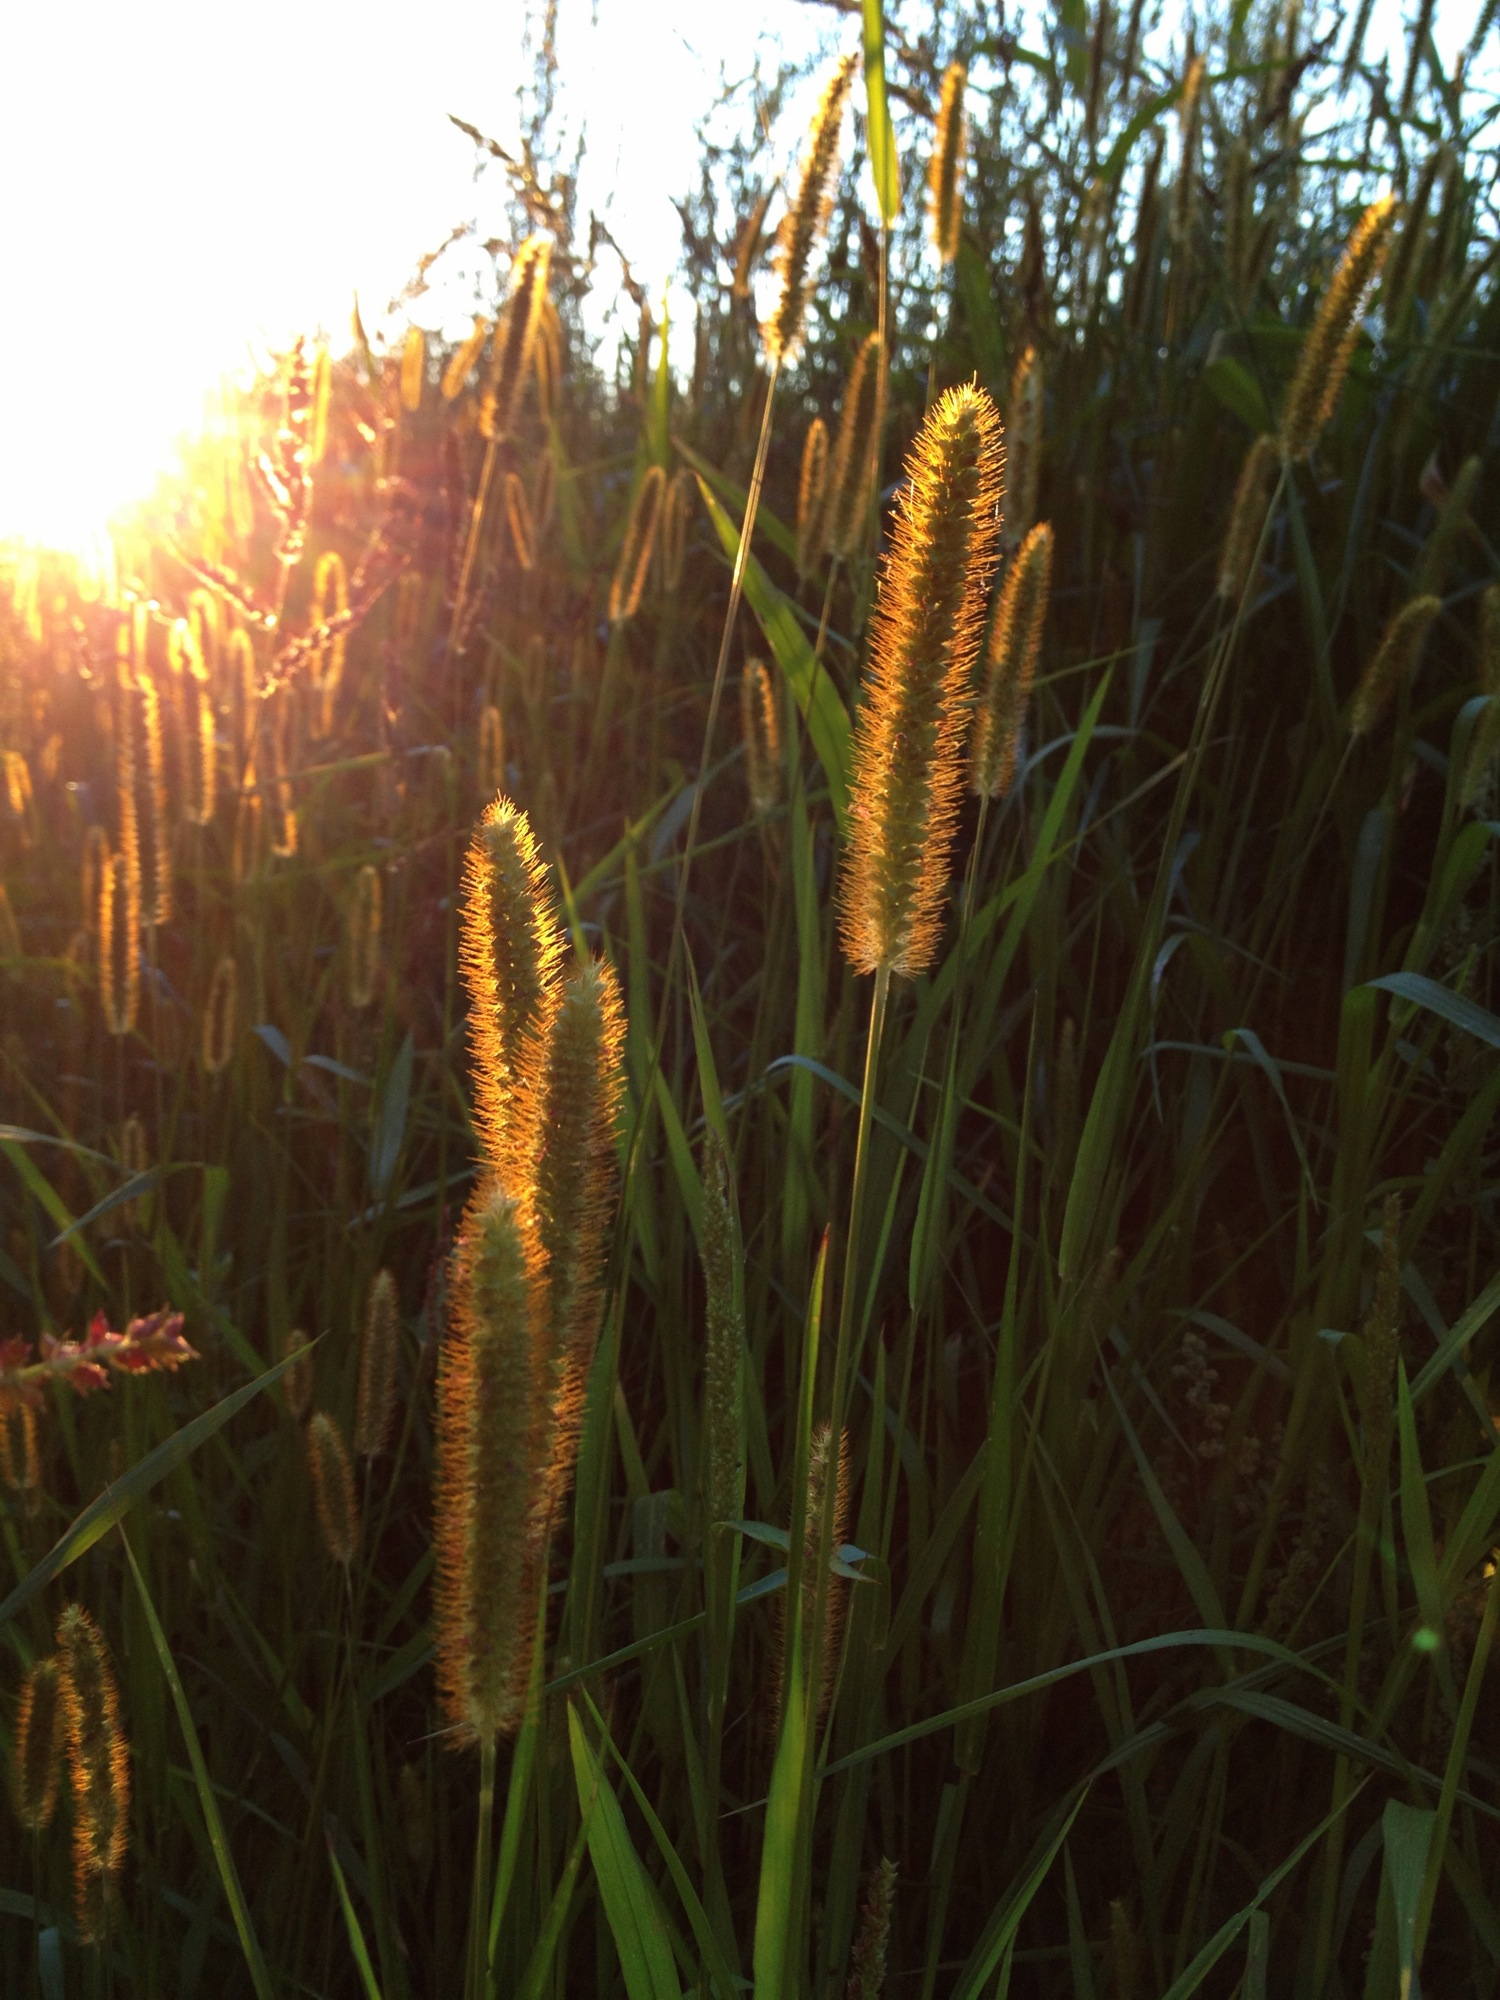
[492, 1453]
[812, 492]
[202, 772]
[671, 543]
[826, 1467]
[925, 633]
[724, 1343]
[578, 1085]
[1010, 671]
[518, 522]
[333, 1488]
[95, 861]
[1328, 346]
[461, 361]
[297, 1382]
[413, 368]
[221, 1015]
[510, 951]
[375, 1407]
[1024, 443]
[37, 1754]
[868, 1959]
[806, 220]
[160, 907]
[1247, 515]
[491, 751]
[514, 344]
[629, 579]
[761, 725]
[856, 452]
[945, 176]
[364, 935]
[1394, 663]
[119, 948]
[20, 1461]
[98, 1764]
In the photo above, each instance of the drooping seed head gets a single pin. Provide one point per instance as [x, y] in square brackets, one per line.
[926, 631]
[1328, 346]
[806, 220]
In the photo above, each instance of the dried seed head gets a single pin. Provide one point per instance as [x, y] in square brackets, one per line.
[514, 345]
[945, 173]
[1393, 664]
[1328, 346]
[812, 489]
[492, 1453]
[1247, 515]
[856, 453]
[806, 220]
[926, 630]
[761, 725]
[510, 950]
[1015, 643]
[98, 1763]
[363, 932]
[333, 1488]
[629, 579]
[376, 1403]
[37, 1755]
[220, 1016]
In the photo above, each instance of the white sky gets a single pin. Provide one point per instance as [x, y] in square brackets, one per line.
[186, 183]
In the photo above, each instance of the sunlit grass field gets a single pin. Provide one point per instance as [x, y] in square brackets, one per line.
[748, 1224]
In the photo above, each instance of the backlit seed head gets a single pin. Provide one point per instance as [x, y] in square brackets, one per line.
[514, 344]
[856, 452]
[518, 522]
[37, 1756]
[945, 173]
[805, 222]
[812, 492]
[98, 1763]
[629, 579]
[1328, 346]
[926, 631]
[1024, 442]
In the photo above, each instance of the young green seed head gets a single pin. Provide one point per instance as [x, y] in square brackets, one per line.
[806, 220]
[1015, 642]
[926, 630]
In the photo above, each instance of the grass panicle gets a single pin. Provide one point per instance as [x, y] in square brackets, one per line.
[806, 220]
[220, 1016]
[1392, 664]
[925, 633]
[760, 725]
[946, 167]
[854, 455]
[334, 1496]
[634, 563]
[1010, 665]
[514, 343]
[98, 1766]
[812, 491]
[1247, 514]
[1328, 347]
[364, 939]
[379, 1354]
[40, 1741]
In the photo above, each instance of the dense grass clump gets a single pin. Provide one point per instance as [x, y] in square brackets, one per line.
[982, 1479]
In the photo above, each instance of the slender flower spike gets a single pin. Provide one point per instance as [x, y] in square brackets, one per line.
[1329, 344]
[908, 752]
[805, 221]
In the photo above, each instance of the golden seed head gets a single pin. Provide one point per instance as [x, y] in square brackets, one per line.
[98, 1760]
[945, 172]
[37, 1755]
[333, 1488]
[761, 726]
[514, 344]
[805, 221]
[925, 633]
[629, 579]
[1010, 671]
[1328, 346]
[510, 950]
